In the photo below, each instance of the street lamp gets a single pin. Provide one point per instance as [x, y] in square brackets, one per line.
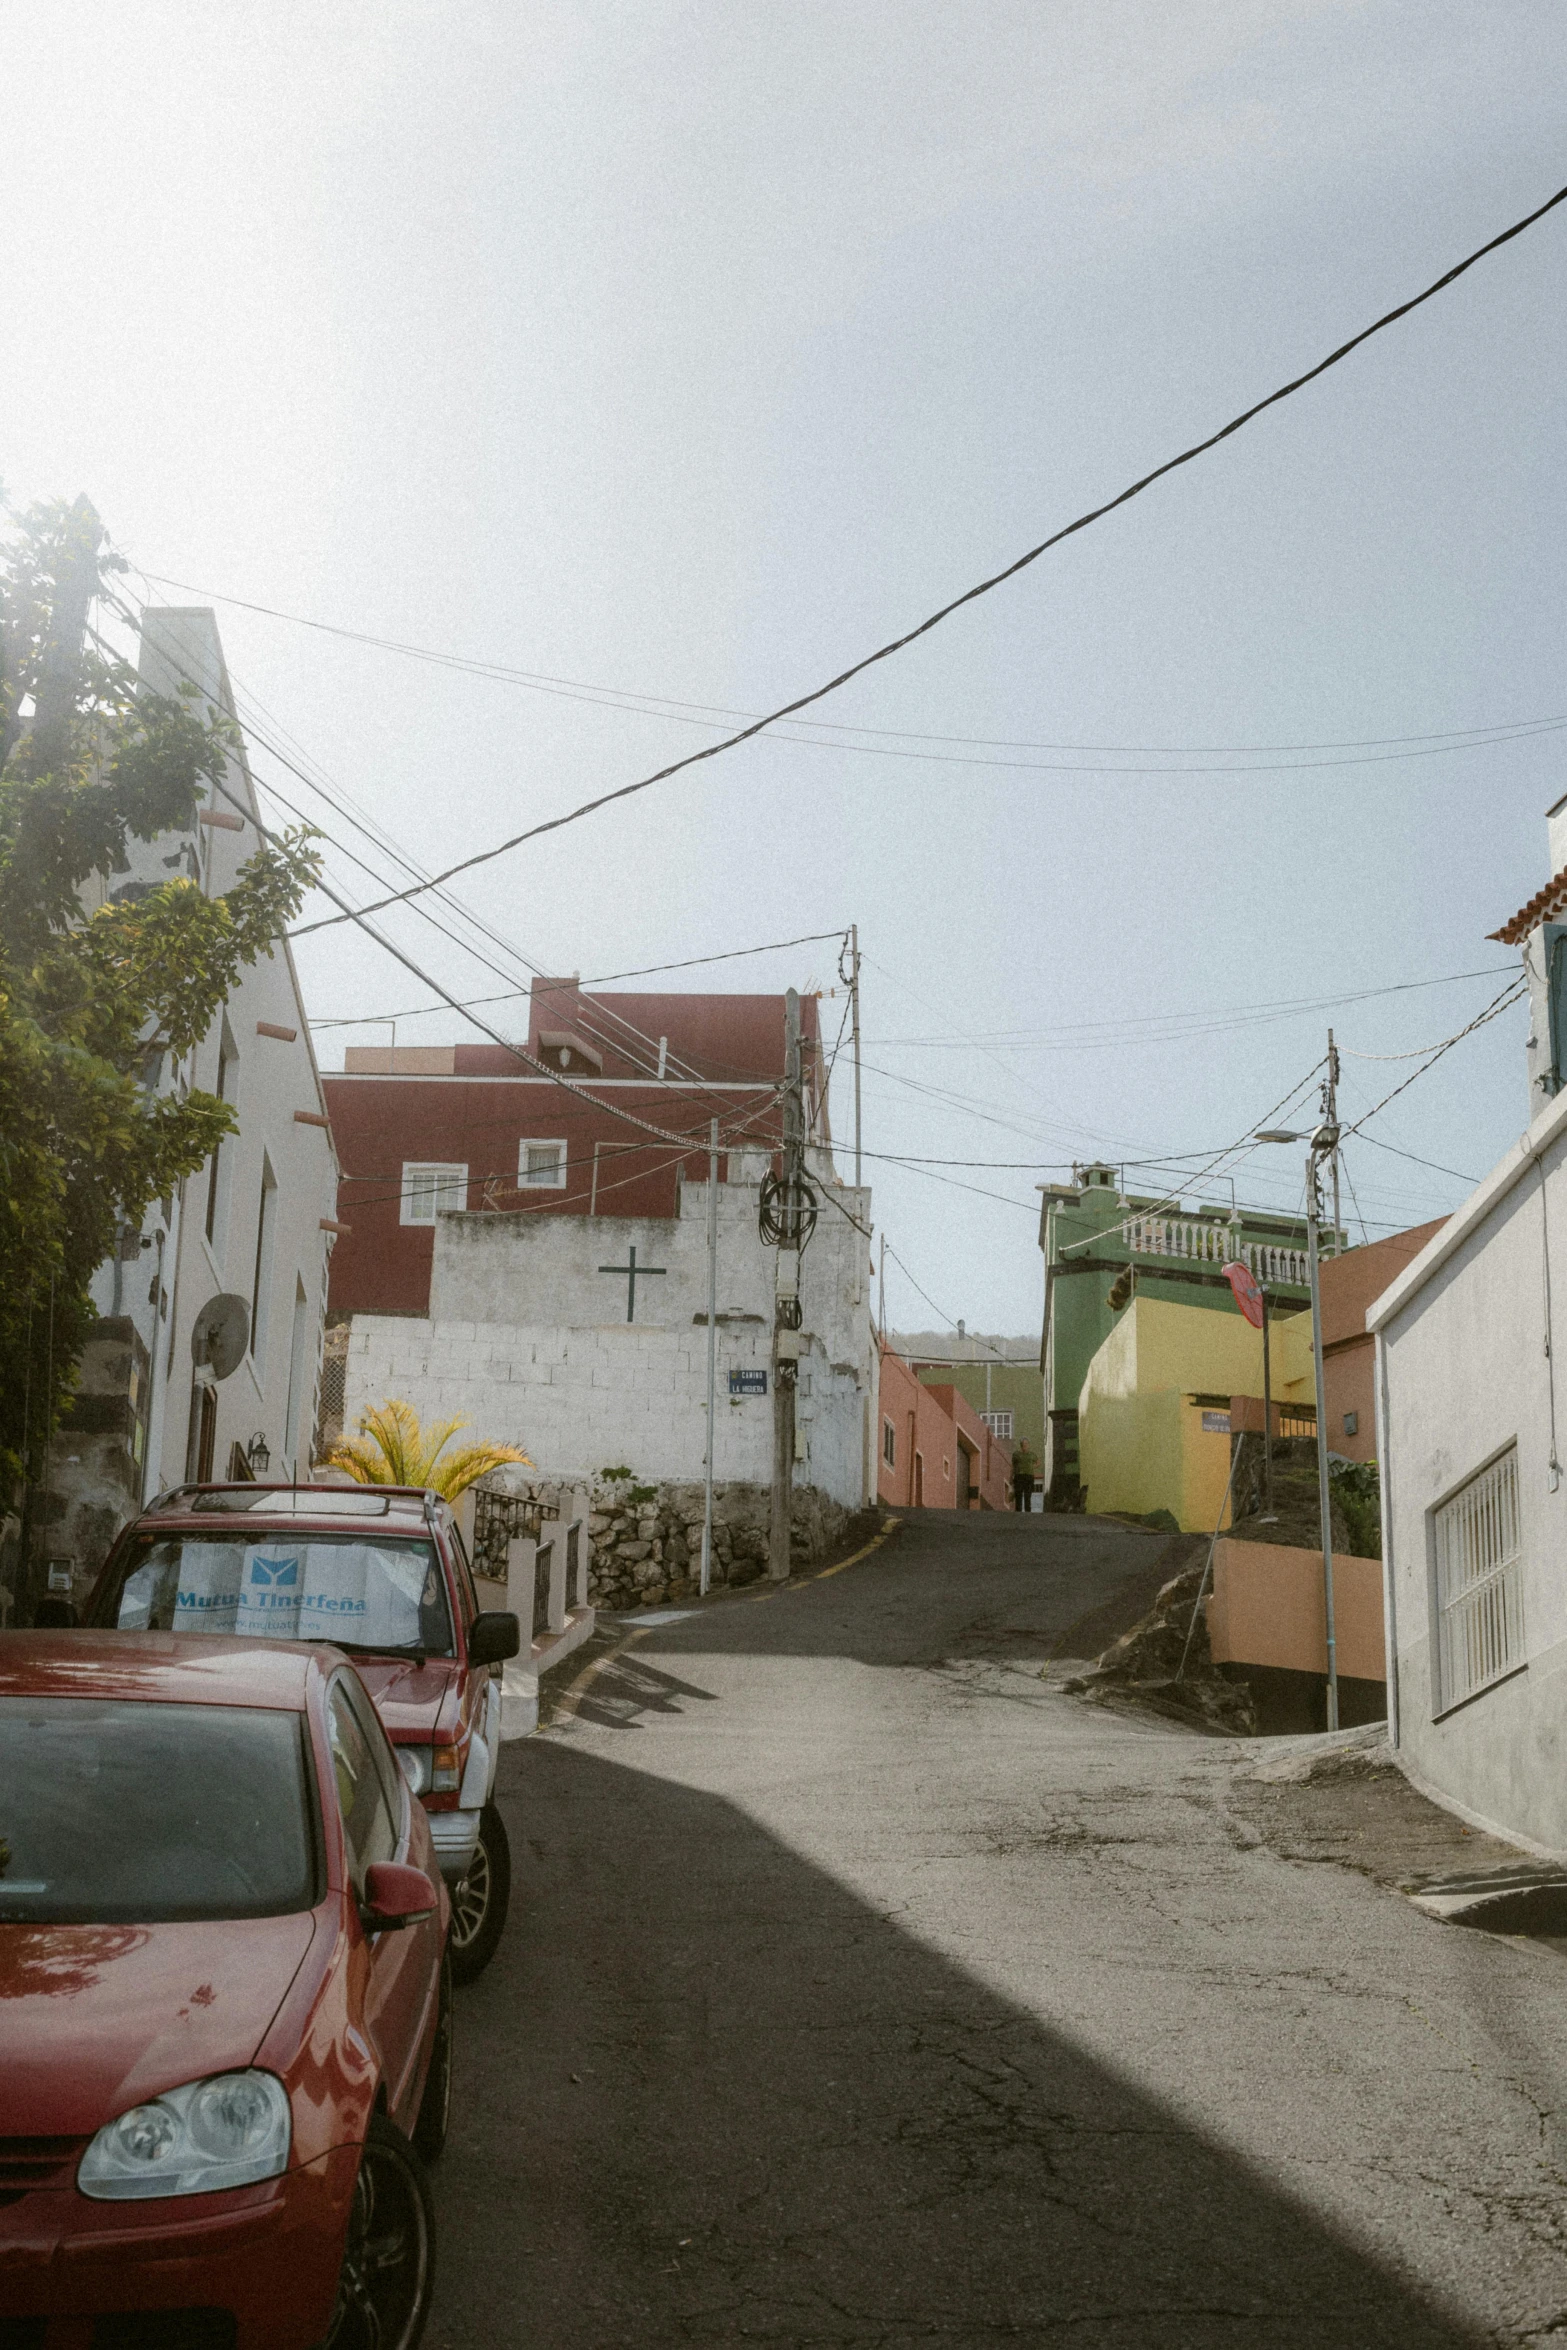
[258, 1455]
[1323, 1142]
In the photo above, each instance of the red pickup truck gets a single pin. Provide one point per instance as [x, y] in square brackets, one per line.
[380, 1572]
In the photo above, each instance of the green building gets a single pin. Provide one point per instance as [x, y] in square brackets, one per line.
[1101, 1246]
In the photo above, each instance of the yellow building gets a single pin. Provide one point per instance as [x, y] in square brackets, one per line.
[1153, 1416]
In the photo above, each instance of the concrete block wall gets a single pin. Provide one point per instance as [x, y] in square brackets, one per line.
[581, 1400]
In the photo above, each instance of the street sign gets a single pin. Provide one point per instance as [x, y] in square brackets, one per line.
[748, 1382]
[1247, 1294]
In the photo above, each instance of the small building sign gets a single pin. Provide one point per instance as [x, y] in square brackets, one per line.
[748, 1382]
[1216, 1423]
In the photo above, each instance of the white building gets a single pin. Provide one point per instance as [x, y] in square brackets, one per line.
[255, 1224]
[1474, 1497]
[539, 1334]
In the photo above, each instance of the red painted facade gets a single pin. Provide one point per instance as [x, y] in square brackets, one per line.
[934, 1451]
[476, 1107]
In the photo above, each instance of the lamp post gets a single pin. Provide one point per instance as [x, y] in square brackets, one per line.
[1324, 1143]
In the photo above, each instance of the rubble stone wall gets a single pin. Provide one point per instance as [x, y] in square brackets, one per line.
[647, 1540]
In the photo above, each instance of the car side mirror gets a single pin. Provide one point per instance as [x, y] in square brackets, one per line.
[396, 1895]
[493, 1638]
[55, 1615]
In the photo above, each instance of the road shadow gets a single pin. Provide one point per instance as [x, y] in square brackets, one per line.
[706, 2094]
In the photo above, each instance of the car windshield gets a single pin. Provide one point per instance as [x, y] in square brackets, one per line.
[361, 1591]
[117, 1812]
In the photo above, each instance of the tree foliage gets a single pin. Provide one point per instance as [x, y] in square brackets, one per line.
[98, 1007]
[392, 1449]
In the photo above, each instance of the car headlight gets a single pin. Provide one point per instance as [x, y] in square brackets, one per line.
[224, 2132]
[414, 1762]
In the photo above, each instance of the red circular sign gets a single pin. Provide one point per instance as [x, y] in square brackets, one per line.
[1247, 1294]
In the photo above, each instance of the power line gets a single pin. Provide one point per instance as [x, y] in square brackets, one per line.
[1492, 1011]
[255, 734]
[647, 971]
[640, 704]
[985, 586]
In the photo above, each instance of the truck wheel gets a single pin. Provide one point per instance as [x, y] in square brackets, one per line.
[479, 1903]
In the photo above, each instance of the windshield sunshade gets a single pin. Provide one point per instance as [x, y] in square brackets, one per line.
[119, 1812]
[357, 1589]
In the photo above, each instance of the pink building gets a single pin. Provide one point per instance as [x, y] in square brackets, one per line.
[935, 1452]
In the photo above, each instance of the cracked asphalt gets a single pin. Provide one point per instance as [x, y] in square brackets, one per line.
[861, 1988]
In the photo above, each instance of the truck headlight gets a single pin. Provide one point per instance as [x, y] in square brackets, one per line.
[227, 2131]
[414, 1763]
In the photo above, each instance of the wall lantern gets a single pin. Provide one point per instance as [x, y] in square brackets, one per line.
[258, 1455]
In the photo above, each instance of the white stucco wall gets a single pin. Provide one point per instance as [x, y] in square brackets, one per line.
[1463, 1372]
[527, 1341]
[270, 1079]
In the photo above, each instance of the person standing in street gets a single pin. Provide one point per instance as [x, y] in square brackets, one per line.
[1023, 1470]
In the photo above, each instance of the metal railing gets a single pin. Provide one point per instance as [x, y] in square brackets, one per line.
[1193, 1241]
[501, 1518]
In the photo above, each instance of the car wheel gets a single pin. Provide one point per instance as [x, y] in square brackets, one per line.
[388, 2272]
[480, 1902]
[435, 2107]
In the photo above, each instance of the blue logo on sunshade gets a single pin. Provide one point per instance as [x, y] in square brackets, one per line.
[277, 1572]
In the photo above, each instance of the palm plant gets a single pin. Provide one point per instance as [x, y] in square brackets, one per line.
[392, 1449]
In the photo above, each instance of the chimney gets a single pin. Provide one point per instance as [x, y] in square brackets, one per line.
[1556, 835]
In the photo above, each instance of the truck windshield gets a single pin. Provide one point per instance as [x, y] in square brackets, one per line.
[124, 1813]
[359, 1590]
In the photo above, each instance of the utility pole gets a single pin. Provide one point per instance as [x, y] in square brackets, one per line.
[786, 1308]
[1324, 1140]
[712, 1352]
[1338, 1219]
[854, 1013]
[1269, 1516]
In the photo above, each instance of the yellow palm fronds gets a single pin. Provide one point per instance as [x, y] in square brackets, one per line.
[392, 1449]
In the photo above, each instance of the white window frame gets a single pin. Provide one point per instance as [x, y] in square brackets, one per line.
[527, 1178]
[438, 1186]
[994, 1422]
[1477, 1583]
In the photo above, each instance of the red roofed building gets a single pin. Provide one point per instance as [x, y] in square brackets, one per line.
[425, 1128]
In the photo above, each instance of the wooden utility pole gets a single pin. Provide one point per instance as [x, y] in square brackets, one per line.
[786, 1307]
[854, 1002]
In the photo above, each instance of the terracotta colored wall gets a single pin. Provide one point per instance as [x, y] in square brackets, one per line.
[1267, 1608]
[927, 1421]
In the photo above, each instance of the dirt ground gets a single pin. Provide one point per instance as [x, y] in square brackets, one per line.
[1355, 1809]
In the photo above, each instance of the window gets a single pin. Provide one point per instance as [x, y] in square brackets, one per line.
[889, 1444]
[369, 1824]
[1478, 1583]
[999, 1424]
[541, 1166]
[431, 1189]
[261, 1286]
[217, 1170]
[122, 1811]
[359, 1591]
[299, 1337]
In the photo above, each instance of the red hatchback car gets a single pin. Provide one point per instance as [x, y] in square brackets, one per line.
[225, 2009]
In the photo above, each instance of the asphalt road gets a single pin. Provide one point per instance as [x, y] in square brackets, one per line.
[862, 1988]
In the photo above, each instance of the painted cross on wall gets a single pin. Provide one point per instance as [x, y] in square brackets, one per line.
[635, 1273]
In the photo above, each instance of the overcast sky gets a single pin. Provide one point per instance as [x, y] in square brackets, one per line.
[691, 351]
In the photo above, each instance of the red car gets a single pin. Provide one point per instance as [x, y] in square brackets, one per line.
[379, 1571]
[225, 2008]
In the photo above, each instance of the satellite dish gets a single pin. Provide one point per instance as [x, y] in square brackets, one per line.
[220, 1335]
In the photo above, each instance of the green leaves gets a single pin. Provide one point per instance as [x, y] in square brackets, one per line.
[93, 1003]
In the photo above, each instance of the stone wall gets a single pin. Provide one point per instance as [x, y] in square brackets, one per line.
[647, 1540]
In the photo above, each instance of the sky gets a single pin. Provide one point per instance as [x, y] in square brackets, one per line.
[684, 354]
